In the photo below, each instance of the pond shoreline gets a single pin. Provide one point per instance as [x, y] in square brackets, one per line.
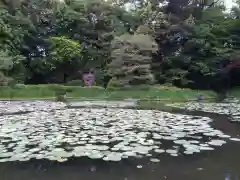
[49, 91]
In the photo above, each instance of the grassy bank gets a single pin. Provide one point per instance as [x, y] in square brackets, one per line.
[235, 92]
[75, 92]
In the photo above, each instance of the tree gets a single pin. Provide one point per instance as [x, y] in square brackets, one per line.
[132, 54]
[193, 40]
[65, 56]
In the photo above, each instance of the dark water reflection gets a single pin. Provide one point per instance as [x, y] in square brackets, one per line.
[223, 163]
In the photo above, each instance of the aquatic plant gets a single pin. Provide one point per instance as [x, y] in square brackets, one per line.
[56, 133]
[228, 107]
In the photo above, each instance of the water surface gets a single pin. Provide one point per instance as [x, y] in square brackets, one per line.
[214, 165]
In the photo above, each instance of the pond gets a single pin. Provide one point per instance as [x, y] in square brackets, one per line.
[44, 140]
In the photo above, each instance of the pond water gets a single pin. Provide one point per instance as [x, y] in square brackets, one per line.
[138, 144]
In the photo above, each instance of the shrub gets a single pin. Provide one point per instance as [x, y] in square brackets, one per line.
[115, 83]
[75, 83]
[99, 78]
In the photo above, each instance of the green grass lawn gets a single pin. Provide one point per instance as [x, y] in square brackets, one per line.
[22, 92]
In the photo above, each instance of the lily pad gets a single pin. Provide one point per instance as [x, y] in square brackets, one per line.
[234, 139]
[171, 151]
[217, 142]
[159, 150]
[113, 157]
[155, 160]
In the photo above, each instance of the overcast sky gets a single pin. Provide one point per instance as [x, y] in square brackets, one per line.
[229, 3]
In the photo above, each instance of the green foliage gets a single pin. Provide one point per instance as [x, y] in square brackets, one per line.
[64, 49]
[132, 58]
[65, 56]
[181, 43]
[3, 80]
[6, 61]
[74, 83]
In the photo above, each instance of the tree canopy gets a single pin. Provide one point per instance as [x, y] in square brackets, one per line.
[184, 43]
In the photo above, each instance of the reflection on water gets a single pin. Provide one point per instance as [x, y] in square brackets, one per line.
[222, 163]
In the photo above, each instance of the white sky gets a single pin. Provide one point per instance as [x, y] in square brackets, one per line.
[229, 3]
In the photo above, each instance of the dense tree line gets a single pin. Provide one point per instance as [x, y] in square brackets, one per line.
[185, 43]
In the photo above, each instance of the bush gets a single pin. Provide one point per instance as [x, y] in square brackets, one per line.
[12, 83]
[75, 83]
[167, 87]
[4, 80]
[99, 78]
[115, 83]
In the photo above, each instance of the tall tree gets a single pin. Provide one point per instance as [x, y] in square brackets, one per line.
[132, 56]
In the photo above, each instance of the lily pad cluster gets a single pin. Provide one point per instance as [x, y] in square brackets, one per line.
[119, 104]
[109, 134]
[10, 107]
[231, 108]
